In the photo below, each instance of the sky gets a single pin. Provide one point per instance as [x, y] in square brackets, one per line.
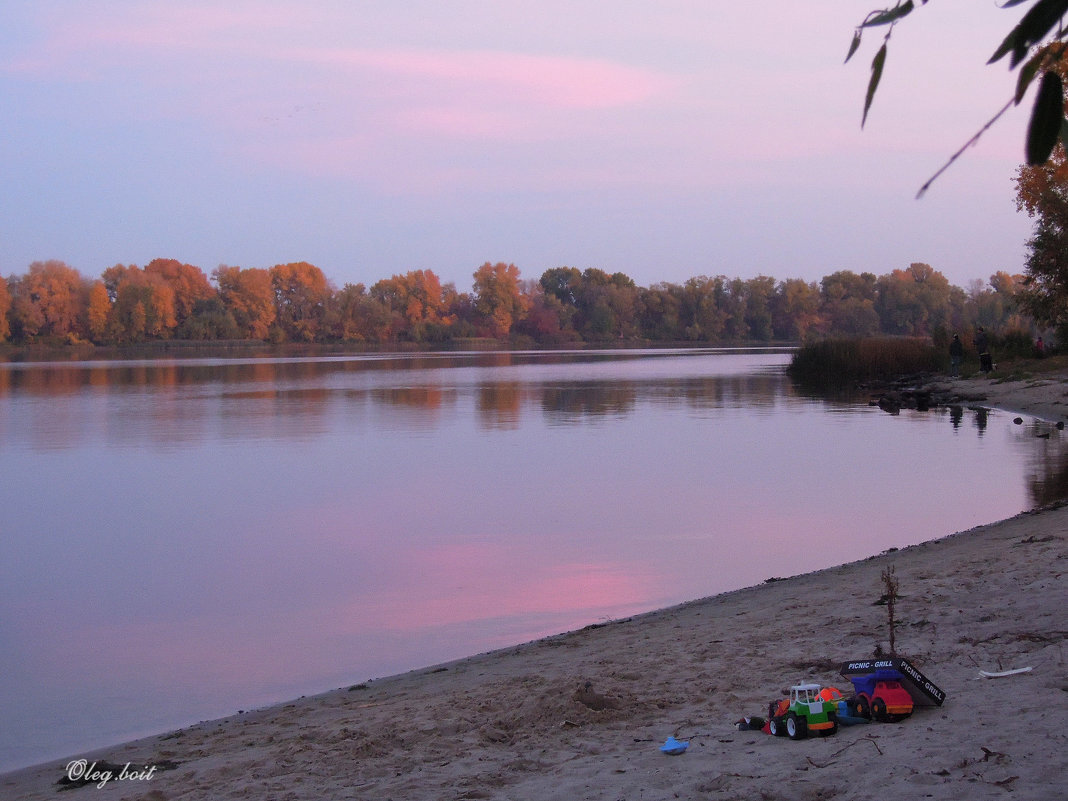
[664, 140]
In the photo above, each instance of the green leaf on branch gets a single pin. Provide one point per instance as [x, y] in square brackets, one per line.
[853, 46]
[877, 64]
[889, 15]
[1047, 119]
[1027, 74]
[1032, 29]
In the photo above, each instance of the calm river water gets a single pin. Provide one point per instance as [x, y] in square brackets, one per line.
[180, 539]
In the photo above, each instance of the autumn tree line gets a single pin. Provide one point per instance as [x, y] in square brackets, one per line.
[167, 300]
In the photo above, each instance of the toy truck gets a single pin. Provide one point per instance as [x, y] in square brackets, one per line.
[803, 712]
[880, 696]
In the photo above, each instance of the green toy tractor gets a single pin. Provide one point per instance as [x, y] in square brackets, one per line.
[806, 710]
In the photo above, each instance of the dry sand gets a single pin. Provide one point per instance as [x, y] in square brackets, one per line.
[518, 723]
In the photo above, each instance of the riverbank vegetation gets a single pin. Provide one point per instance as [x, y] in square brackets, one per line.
[848, 361]
[852, 360]
[167, 301]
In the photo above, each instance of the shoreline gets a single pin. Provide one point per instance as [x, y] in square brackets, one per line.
[582, 714]
[518, 722]
[1044, 396]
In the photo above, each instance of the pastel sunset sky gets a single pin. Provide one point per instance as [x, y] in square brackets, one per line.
[662, 139]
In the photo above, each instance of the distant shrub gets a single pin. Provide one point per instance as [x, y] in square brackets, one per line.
[837, 362]
[1016, 343]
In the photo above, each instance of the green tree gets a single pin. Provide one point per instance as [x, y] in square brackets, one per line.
[734, 306]
[1042, 191]
[564, 283]
[795, 309]
[210, 319]
[759, 294]
[356, 316]
[702, 308]
[847, 302]
[659, 312]
[914, 301]
[605, 305]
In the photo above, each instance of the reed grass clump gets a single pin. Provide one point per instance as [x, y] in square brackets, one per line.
[838, 362]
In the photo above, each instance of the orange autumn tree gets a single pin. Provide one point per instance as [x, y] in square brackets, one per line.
[417, 302]
[499, 299]
[5, 304]
[189, 285]
[99, 312]
[142, 304]
[301, 292]
[48, 301]
[249, 296]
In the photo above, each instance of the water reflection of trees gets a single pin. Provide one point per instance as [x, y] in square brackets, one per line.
[62, 378]
[576, 401]
[499, 404]
[166, 403]
[1045, 444]
[584, 401]
[1047, 481]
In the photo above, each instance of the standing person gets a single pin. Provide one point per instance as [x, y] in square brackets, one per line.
[986, 363]
[1040, 348]
[956, 355]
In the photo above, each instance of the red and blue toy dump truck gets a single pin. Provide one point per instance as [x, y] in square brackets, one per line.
[880, 696]
[889, 688]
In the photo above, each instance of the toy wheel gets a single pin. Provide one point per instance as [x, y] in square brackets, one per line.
[776, 727]
[796, 727]
[861, 708]
[878, 710]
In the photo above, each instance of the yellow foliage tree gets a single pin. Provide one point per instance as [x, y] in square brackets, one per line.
[99, 312]
[499, 299]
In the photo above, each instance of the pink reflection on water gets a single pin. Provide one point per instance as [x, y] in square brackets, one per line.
[463, 584]
[262, 537]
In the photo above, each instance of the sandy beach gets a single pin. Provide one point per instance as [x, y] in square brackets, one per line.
[1044, 396]
[582, 715]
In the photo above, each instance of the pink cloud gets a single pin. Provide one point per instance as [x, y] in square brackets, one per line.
[556, 81]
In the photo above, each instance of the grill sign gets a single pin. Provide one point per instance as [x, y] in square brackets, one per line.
[923, 691]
